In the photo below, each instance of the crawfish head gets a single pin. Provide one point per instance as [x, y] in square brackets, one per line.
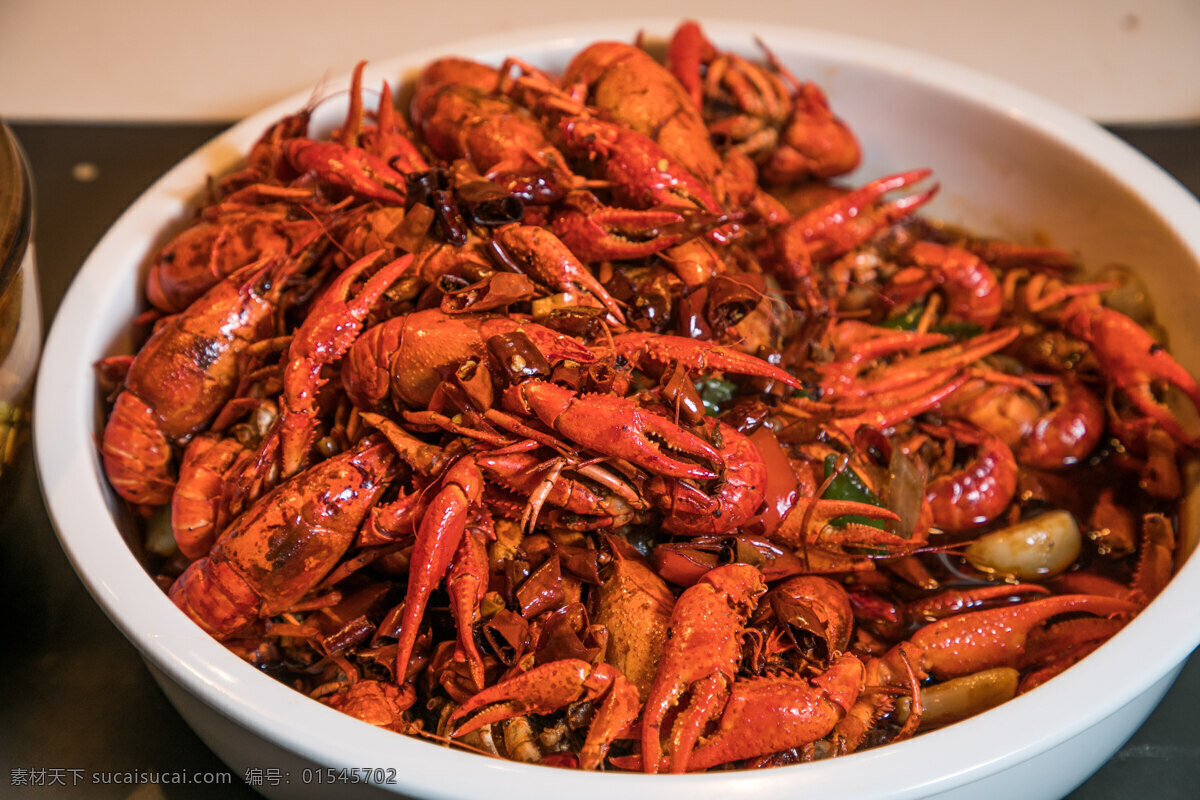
[631, 88]
[406, 357]
[502, 140]
[735, 497]
[813, 613]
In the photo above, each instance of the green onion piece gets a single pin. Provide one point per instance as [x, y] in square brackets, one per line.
[906, 321]
[958, 330]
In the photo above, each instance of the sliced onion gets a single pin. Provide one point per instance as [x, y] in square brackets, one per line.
[904, 492]
[160, 538]
[1131, 297]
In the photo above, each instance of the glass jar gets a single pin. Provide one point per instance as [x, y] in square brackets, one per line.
[20, 306]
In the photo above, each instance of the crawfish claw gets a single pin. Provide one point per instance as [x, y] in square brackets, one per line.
[545, 688]
[615, 426]
[1131, 360]
[697, 355]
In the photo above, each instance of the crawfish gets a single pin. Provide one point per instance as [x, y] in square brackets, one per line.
[1133, 362]
[702, 653]
[786, 125]
[276, 551]
[184, 375]
[979, 491]
[215, 246]
[633, 89]
[585, 331]
[736, 497]
[972, 289]
[461, 117]
[403, 356]
[198, 504]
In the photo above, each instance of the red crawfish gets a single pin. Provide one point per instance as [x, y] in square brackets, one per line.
[629, 87]
[784, 124]
[980, 490]
[402, 358]
[217, 245]
[701, 654]
[731, 502]
[184, 375]
[1133, 362]
[460, 116]
[330, 328]
[282, 546]
[554, 685]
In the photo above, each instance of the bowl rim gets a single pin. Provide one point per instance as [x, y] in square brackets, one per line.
[67, 466]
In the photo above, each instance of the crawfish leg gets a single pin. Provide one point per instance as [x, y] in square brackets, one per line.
[437, 540]
[708, 697]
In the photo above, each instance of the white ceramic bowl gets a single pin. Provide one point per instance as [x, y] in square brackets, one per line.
[1009, 163]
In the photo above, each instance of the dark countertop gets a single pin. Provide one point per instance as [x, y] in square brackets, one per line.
[78, 699]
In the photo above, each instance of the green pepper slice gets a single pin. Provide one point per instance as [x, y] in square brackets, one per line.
[847, 485]
[715, 393]
[906, 321]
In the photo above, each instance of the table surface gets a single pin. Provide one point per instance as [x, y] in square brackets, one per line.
[79, 704]
[1113, 60]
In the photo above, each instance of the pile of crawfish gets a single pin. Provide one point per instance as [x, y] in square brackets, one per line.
[585, 420]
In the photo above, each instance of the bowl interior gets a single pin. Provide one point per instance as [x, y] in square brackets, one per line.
[1008, 163]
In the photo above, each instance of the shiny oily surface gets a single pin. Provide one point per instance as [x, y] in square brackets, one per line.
[1131, 629]
[65, 635]
[523, 613]
[959, 698]
[1038, 547]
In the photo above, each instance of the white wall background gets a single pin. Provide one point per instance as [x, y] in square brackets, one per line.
[109, 60]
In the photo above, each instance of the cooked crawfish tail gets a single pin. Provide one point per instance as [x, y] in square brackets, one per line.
[282, 546]
[198, 505]
[981, 490]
